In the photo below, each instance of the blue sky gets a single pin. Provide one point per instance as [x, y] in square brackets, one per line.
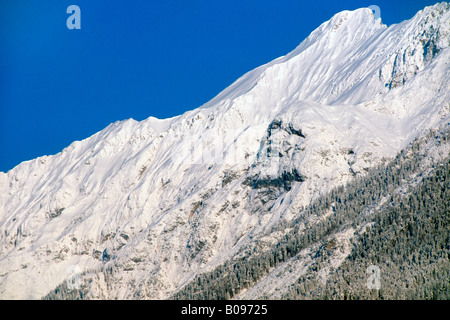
[135, 59]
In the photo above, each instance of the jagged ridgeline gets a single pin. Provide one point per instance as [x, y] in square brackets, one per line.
[402, 212]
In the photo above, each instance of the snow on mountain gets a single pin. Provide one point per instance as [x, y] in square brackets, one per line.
[159, 201]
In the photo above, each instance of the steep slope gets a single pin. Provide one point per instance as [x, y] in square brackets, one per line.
[140, 208]
[394, 218]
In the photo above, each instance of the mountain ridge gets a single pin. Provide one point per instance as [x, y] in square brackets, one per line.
[162, 200]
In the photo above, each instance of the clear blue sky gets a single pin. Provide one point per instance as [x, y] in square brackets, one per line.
[135, 59]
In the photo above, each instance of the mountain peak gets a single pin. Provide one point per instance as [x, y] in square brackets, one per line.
[356, 17]
[351, 20]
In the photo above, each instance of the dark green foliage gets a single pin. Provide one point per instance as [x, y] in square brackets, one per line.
[63, 292]
[409, 242]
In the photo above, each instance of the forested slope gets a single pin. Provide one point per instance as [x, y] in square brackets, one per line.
[400, 214]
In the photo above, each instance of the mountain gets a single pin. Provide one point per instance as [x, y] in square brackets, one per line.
[140, 209]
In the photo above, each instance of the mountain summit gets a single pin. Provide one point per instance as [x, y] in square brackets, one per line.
[140, 208]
